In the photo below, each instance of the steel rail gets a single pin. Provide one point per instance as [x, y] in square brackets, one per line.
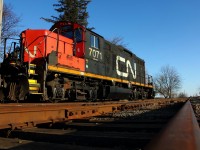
[181, 133]
[27, 115]
[22, 116]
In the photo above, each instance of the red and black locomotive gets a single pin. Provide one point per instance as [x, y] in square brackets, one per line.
[70, 62]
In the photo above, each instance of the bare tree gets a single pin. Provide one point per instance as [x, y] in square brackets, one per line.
[182, 95]
[9, 22]
[118, 41]
[1, 12]
[167, 82]
[198, 91]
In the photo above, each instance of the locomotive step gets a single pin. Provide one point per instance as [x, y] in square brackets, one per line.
[35, 93]
[31, 71]
[32, 81]
[32, 66]
[32, 88]
[34, 85]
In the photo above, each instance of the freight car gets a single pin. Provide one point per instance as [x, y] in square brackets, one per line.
[70, 62]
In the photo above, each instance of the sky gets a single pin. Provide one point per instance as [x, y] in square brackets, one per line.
[161, 32]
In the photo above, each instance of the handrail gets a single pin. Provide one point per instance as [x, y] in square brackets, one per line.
[181, 133]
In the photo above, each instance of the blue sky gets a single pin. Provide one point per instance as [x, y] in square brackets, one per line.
[162, 32]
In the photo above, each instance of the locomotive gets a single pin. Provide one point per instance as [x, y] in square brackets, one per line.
[71, 62]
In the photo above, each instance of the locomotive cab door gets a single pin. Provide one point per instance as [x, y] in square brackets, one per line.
[79, 40]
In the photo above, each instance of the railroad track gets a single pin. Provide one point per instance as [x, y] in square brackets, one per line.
[109, 125]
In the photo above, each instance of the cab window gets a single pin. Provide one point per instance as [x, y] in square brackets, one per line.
[78, 34]
[67, 31]
[94, 41]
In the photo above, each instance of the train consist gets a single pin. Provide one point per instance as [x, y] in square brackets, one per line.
[70, 62]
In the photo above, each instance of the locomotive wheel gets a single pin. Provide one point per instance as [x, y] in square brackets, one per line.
[92, 95]
[1, 94]
[22, 88]
[95, 95]
[72, 95]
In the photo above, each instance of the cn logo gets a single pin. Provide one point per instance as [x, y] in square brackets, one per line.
[34, 52]
[119, 60]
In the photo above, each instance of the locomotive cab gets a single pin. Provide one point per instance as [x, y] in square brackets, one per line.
[72, 31]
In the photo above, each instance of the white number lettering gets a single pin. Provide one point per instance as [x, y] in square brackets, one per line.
[95, 54]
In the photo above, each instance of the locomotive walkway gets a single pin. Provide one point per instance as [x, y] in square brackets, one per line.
[101, 125]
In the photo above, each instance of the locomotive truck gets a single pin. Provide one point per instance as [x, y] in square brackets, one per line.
[71, 62]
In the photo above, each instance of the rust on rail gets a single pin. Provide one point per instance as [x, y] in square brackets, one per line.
[27, 115]
[182, 132]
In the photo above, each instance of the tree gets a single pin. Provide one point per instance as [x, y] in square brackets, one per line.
[199, 90]
[71, 10]
[118, 41]
[167, 82]
[9, 22]
[182, 95]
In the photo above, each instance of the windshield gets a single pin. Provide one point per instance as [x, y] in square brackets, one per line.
[67, 31]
